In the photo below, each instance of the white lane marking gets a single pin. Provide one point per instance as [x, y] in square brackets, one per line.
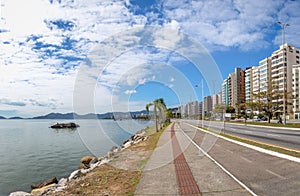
[217, 145]
[277, 154]
[248, 131]
[218, 164]
[229, 151]
[273, 135]
[247, 160]
[275, 174]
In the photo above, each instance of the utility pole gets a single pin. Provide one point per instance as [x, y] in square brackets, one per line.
[202, 93]
[283, 26]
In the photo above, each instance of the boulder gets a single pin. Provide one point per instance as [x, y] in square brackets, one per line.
[75, 174]
[82, 166]
[100, 159]
[52, 180]
[109, 154]
[114, 149]
[40, 191]
[19, 193]
[95, 160]
[62, 182]
[86, 159]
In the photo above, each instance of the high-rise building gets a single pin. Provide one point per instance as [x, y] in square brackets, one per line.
[248, 84]
[237, 87]
[207, 104]
[215, 100]
[296, 91]
[233, 88]
[225, 93]
[264, 74]
[255, 80]
[282, 62]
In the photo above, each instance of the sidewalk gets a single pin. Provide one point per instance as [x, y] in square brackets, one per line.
[189, 173]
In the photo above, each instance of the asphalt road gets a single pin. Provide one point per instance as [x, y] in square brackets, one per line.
[262, 173]
[289, 138]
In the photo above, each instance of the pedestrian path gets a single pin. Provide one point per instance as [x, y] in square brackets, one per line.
[185, 179]
[177, 168]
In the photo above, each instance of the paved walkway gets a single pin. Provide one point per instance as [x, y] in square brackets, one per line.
[171, 172]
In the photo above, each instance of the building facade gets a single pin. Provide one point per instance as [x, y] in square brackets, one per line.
[282, 62]
[296, 91]
[248, 84]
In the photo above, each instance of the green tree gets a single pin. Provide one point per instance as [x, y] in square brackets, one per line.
[230, 109]
[265, 100]
[219, 110]
[159, 111]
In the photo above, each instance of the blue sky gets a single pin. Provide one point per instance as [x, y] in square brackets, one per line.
[49, 60]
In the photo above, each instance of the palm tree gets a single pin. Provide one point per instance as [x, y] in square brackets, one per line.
[159, 111]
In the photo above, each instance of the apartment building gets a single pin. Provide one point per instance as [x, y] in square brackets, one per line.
[233, 88]
[207, 104]
[248, 84]
[225, 92]
[296, 91]
[252, 83]
[215, 100]
[282, 62]
[190, 109]
[264, 74]
[255, 80]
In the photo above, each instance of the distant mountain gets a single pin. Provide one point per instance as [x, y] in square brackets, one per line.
[1, 117]
[15, 118]
[56, 116]
[108, 115]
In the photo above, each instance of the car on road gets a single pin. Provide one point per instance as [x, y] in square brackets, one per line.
[255, 119]
[264, 118]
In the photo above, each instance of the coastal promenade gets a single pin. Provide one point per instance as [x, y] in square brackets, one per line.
[209, 165]
[177, 167]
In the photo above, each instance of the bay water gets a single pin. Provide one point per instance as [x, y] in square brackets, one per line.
[31, 152]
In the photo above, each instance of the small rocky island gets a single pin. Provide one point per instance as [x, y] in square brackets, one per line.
[70, 125]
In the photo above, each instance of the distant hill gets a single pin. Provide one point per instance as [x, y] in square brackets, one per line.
[15, 118]
[55, 116]
[108, 115]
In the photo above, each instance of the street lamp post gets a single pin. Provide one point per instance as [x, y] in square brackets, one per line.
[283, 26]
[202, 119]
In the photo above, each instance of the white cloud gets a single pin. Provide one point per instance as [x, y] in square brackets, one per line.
[42, 43]
[129, 92]
[224, 24]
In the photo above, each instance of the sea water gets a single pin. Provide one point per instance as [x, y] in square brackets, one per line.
[31, 152]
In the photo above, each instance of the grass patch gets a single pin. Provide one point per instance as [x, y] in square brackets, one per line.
[290, 125]
[257, 144]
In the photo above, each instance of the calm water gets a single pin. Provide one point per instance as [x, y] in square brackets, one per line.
[31, 152]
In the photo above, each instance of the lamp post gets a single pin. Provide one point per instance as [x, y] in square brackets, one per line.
[202, 93]
[283, 26]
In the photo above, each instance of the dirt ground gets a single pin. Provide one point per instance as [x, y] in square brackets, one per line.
[118, 177]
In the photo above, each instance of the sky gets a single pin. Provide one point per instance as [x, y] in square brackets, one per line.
[118, 55]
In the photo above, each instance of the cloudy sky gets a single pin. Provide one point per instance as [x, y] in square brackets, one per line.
[98, 55]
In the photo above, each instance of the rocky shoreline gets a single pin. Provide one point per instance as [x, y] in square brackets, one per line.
[87, 164]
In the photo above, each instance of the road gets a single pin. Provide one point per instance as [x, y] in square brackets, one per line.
[262, 173]
[289, 138]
